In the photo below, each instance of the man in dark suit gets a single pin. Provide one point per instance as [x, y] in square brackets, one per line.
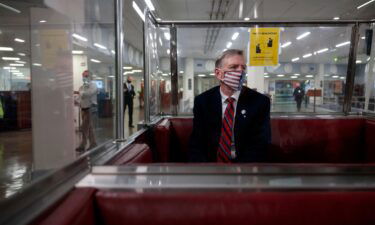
[128, 99]
[231, 122]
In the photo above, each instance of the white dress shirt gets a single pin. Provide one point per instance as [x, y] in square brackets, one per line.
[224, 105]
[87, 95]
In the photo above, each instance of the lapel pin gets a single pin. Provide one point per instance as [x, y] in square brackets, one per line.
[243, 112]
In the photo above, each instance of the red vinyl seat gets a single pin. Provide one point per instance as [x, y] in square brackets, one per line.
[298, 140]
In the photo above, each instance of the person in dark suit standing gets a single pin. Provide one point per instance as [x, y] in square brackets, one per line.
[298, 94]
[128, 99]
[231, 122]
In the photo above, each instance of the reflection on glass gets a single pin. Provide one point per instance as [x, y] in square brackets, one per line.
[310, 75]
[363, 94]
[45, 110]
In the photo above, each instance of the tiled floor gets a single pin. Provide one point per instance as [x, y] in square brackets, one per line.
[16, 156]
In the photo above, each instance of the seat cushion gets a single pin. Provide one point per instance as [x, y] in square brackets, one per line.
[370, 140]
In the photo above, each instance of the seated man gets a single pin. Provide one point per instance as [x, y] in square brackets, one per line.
[231, 122]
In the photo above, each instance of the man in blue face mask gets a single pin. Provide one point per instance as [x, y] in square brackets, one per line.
[231, 122]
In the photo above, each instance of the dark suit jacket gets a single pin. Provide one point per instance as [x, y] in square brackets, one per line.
[252, 131]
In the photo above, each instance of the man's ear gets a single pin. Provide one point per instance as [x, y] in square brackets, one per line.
[219, 74]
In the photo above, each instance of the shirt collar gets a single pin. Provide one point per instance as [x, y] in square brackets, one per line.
[224, 97]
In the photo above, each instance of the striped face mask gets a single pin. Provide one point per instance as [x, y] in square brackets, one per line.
[234, 79]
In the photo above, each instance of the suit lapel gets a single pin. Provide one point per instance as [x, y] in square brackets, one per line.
[242, 111]
[216, 108]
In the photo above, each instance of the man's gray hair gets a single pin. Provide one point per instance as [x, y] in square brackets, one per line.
[226, 53]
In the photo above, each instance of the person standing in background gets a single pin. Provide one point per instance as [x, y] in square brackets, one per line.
[128, 99]
[88, 104]
[298, 94]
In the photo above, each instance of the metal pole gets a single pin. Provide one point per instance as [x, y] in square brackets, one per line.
[120, 131]
[146, 75]
[349, 85]
[174, 71]
[314, 99]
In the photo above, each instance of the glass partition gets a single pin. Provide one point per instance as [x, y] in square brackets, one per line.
[56, 85]
[363, 93]
[313, 58]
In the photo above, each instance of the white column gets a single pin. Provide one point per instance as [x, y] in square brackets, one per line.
[53, 131]
[255, 78]
[188, 92]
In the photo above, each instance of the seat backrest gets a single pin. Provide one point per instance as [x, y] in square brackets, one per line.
[76, 208]
[370, 140]
[317, 140]
[224, 208]
[181, 129]
[135, 153]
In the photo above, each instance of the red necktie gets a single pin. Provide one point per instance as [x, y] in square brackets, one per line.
[225, 143]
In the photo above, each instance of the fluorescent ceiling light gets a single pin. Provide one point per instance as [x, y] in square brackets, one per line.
[358, 61]
[137, 71]
[16, 64]
[322, 50]
[295, 59]
[303, 35]
[201, 75]
[79, 37]
[113, 51]
[309, 75]
[286, 44]
[42, 21]
[363, 38]
[139, 11]
[37, 64]
[19, 40]
[9, 68]
[212, 74]
[293, 77]
[265, 73]
[150, 5]
[14, 71]
[167, 36]
[296, 74]
[335, 76]
[100, 46]
[21, 54]
[364, 4]
[21, 62]
[235, 35]
[342, 78]
[336, 18]
[128, 67]
[95, 61]
[224, 49]
[168, 51]
[111, 76]
[181, 71]
[307, 55]
[164, 74]
[10, 8]
[6, 49]
[281, 75]
[77, 52]
[342, 44]
[266, 76]
[229, 44]
[161, 43]
[11, 58]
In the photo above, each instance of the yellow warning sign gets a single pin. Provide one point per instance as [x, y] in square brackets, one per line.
[264, 46]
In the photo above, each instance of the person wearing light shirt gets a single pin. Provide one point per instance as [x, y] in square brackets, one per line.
[88, 104]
